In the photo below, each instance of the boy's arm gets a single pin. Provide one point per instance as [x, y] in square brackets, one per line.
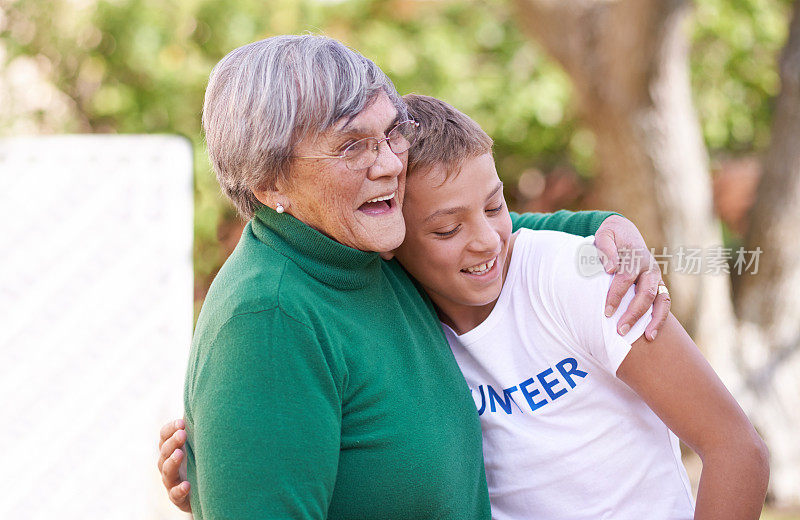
[615, 236]
[672, 377]
[171, 447]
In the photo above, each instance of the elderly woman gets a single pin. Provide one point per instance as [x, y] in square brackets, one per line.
[320, 384]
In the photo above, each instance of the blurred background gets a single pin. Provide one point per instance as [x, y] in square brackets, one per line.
[683, 116]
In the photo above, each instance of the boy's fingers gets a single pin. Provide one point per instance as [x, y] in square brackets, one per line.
[179, 495]
[178, 440]
[169, 429]
[169, 471]
[166, 432]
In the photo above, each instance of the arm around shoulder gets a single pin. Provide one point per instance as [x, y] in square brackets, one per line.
[581, 223]
[674, 379]
[263, 418]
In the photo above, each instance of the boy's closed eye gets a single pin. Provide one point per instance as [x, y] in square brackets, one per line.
[448, 233]
[494, 210]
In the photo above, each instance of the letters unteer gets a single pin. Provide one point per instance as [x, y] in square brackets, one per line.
[550, 387]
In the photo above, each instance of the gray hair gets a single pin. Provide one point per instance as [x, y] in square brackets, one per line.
[265, 97]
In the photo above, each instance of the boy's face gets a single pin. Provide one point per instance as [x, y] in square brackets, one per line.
[457, 234]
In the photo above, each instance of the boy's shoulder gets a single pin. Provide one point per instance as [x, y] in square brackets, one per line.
[546, 237]
[559, 264]
[550, 249]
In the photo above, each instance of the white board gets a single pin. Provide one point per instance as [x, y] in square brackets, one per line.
[95, 321]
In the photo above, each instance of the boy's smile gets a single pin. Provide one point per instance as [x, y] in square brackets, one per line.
[483, 269]
[458, 236]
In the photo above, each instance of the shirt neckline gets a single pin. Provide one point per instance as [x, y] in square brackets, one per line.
[318, 255]
[503, 301]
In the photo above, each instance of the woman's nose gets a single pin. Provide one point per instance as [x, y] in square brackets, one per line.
[388, 164]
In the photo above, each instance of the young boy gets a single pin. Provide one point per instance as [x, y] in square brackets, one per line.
[576, 419]
[571, 411]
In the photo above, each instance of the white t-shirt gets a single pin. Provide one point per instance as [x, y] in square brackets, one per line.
[563, 438]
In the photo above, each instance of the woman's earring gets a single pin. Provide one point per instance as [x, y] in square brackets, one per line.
[279, 208]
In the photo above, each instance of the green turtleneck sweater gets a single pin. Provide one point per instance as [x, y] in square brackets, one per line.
[320, 385]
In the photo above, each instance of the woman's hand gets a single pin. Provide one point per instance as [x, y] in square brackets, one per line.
[624, 252]
[173, 438]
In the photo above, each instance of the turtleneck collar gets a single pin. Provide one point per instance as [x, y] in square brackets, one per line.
[318, 255]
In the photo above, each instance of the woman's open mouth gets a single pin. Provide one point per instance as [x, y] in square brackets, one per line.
[379, 205]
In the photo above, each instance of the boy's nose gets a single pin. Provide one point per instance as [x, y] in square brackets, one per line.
[487, 240]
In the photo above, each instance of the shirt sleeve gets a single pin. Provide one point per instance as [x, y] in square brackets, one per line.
[264, 422]
[578, 289]
[581, 223]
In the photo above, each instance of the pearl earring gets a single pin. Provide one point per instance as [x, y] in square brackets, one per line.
[279, 208]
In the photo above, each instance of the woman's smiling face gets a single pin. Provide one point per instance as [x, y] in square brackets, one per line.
[329, 197]
[457, 236]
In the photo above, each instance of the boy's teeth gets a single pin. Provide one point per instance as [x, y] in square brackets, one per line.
[378, 199]
[478, 269]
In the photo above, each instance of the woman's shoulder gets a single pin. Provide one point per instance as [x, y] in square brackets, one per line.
[248, 280]
[257, 299]
[256, 279]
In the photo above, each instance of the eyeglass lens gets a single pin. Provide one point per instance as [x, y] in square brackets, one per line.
[364, 152]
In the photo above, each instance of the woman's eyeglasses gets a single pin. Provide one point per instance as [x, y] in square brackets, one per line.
[363, 153]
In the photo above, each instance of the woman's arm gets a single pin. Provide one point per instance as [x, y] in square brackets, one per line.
[582, 223]
[674, 379]
[263, 418]
[614, 235]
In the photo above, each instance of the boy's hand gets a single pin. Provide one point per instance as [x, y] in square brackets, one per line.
[172, 439]
[624, 252]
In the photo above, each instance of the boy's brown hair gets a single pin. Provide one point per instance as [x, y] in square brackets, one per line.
[445, 136]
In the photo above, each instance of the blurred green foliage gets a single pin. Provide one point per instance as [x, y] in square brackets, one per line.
[140, 66]
[734, 70]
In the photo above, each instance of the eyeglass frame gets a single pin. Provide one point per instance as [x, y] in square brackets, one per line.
[378, 142]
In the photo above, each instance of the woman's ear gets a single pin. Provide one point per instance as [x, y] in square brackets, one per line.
[273, 199]
[264, 197]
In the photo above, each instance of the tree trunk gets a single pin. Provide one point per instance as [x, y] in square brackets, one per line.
[768, 302]
[628, 60]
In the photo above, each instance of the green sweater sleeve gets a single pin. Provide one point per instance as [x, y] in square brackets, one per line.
[582, 223]
[265, 422]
